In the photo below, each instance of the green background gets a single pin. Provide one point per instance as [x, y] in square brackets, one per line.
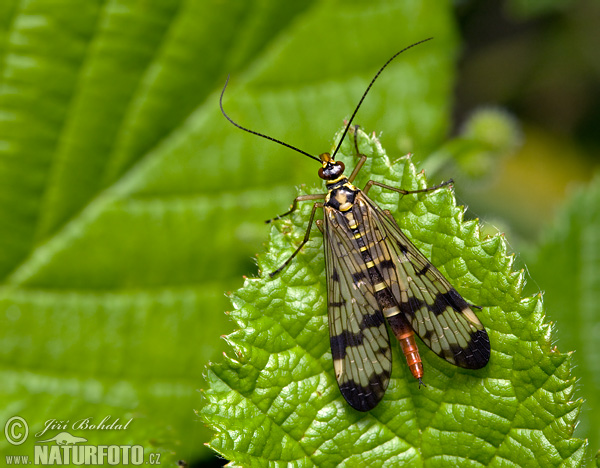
[128, 205]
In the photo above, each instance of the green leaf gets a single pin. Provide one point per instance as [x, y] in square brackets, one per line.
[274, 400]
[565, 266]
[127, 205]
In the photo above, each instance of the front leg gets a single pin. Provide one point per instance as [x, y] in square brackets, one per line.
[301, 198]
[306, 234]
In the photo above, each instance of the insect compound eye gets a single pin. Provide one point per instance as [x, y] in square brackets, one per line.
[331, 170]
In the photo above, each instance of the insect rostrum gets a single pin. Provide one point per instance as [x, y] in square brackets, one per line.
[374, 271]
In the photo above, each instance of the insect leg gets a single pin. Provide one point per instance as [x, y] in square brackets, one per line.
[404, 192]
[388, 213]
[301, 198]
[319, 223]
[362, 159]
[306, 235]
[370, 183]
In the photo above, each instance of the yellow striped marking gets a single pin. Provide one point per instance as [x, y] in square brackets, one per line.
[391, 311]
[338, 366]
[367, 246]
[380, 286]
[471, 317]
[370, 264]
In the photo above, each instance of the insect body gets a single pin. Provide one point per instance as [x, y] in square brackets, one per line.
[374, 271]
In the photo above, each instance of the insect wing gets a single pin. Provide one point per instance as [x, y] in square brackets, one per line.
[360, 344]
[437, 313]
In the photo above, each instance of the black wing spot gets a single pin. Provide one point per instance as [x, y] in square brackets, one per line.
[412, 306]
[476, 355]
[372, 320]
[340, 342]
[450, 298]
[387, 264]
[347, 339]
[365, 398]
[358, 277]
[335, 276]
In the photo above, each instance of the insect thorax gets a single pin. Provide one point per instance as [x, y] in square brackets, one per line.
[341, 195]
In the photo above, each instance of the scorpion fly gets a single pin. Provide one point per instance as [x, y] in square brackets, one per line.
[374, 271]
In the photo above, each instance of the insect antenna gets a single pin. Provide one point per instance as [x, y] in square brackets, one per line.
[367, 91]
[257, 133]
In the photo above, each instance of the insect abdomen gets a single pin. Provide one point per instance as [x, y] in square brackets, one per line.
[383, 294]
[406, 336]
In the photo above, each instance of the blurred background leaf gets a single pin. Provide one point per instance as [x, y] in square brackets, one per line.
[540, 61]
[128, 205]
[567, 263]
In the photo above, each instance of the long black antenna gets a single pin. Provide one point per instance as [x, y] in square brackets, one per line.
[367, 91]
[260, 134]
[349, 122]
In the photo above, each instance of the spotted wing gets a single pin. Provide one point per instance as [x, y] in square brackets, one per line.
[439, 315]
[360, 344]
